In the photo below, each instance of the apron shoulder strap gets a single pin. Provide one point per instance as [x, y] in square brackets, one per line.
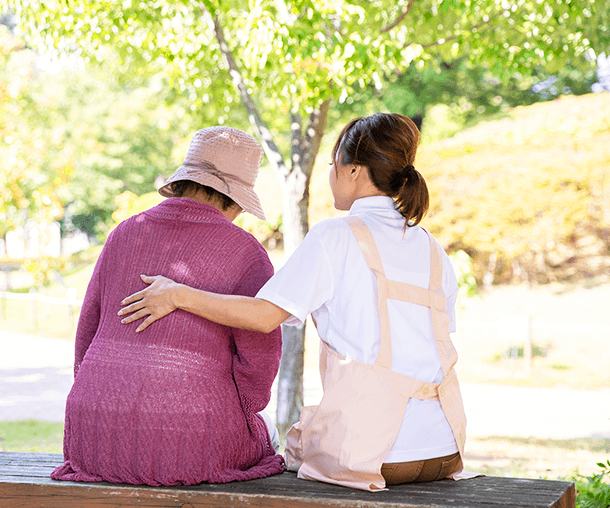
[373, 260]
[434, 297]
[366, 242]
[436, 265]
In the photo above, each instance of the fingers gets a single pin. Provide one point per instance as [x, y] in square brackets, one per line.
[135, 316]
[132, 308]
[133, 298]
[148, 321]
[140, 294]
[139, 304]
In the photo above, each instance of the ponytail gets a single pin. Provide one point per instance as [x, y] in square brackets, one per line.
[412, 198]
[386, 145]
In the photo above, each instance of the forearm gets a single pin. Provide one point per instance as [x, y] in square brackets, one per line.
[230, 310]
[164, 296]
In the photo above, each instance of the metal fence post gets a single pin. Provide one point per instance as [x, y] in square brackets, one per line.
[33, 320]
[515, 329]
[71, 296]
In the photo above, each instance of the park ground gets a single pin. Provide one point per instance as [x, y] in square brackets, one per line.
[561, 423]
[565, 359]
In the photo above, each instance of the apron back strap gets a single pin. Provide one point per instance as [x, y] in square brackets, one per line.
[373, 260]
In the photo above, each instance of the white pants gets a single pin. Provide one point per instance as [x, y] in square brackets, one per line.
[275, 435]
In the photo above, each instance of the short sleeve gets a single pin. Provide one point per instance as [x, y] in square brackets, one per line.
[304, 283]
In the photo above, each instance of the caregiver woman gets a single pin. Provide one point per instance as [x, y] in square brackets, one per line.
[382, 293]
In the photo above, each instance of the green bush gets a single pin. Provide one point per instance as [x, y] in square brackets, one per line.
[593, 491]
[462, 264]
[527, 196]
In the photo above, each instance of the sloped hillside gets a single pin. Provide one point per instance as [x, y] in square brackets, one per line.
[527, 196]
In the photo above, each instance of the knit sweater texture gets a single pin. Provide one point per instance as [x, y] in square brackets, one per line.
[176, 403]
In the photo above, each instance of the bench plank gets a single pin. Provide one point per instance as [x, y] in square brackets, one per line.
[25, 482]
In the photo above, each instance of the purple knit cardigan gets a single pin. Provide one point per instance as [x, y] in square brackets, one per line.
[176, 403]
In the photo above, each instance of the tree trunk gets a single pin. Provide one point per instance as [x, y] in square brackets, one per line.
[290, 381]
[295, 202]
[295, 199]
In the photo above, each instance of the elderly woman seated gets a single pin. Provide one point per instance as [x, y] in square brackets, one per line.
[177, 403]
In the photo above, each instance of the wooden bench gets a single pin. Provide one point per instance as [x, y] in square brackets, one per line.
[25, 482]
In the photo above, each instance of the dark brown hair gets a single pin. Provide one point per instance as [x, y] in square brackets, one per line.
[181, 187]
[386, 143]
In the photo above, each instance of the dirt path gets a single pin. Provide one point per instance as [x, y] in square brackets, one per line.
[513, 430]
[36, 376]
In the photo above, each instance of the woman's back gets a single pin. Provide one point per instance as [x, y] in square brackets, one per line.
[192, 243]
[176, 403]
[335, 284]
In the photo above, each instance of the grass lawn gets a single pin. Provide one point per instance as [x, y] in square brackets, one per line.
[51, 320]
[497, 456]
[526, 457]
[31, 436]
[576, 460]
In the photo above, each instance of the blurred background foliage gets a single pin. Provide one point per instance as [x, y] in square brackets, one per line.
[98, 101]
[528, 197]
[519, 179]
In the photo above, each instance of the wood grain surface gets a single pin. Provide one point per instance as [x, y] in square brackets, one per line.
[25, 482]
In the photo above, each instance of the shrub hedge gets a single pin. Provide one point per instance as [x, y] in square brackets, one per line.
[528, 197]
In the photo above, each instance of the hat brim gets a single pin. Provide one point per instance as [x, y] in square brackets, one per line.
[244, 196]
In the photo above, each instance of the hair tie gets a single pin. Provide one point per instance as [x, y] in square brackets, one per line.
[406, 171]
[400, 178]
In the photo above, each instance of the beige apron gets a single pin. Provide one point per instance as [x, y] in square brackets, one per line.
[345, 439]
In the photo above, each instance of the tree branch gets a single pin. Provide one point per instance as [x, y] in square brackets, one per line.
[297, 138]
[399, 19]
[313, 135]
[262, 130]
[452, 38]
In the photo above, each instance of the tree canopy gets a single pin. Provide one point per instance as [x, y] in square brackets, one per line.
[289, 62]
[285, 60]
[289, 58]
[72, 141]
[34, 162]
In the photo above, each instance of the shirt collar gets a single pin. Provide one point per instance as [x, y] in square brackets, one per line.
[378, 204]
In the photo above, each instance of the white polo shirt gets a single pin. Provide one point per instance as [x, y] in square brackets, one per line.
[327, 277]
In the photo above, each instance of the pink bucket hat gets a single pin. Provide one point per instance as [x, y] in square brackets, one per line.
[225, 159]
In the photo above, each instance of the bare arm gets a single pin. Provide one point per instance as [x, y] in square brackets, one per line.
[164, 296]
